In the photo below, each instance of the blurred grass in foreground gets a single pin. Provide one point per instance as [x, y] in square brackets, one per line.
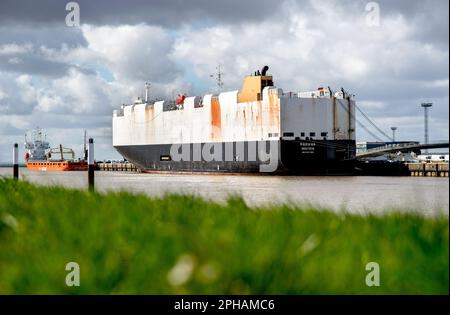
[129, 244]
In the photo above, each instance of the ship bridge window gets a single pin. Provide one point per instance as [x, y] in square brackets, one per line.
[265, 83]
[288, 134]
[324, 134]
[312, 134]
[302, 134]
[198, 102]
[168, 106]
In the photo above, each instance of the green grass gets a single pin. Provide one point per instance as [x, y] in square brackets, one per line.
[128, 244]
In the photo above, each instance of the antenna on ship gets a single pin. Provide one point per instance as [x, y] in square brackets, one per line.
[218, 77]
[147, 89]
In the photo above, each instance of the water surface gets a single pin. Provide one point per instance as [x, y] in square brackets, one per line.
[360, 194]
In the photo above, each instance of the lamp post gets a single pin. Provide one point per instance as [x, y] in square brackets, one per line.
[426, 106]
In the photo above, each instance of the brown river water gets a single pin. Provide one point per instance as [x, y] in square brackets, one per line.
[356, 194]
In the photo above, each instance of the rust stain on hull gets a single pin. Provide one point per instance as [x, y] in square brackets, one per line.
[274, 111]
[216, 119]
[259, 112]
[149, 123]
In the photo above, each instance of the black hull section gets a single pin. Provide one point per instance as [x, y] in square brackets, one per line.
[382, 168]
[291, 157]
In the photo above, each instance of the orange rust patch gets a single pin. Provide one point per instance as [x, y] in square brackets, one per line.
[152, 111]
[149, 116]
[216, 120]
[245, 121]
[149, 123]
[259, 112]
[274, 111]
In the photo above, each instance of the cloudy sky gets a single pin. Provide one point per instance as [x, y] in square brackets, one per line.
[69, 78]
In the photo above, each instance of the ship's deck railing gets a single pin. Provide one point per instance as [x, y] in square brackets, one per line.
[314, 94]
[118, 112]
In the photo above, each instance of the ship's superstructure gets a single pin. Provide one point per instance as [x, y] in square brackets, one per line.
[37, 149]
[240, 131]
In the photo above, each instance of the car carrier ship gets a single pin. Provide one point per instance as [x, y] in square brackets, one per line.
[258, 128]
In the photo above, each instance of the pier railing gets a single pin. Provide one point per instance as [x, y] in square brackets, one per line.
[438, 169]
[392, 146]
[117, 166]
[403, 147]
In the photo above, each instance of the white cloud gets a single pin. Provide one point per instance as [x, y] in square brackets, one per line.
[438, 83]
[3, 95]
[390, 68]
[131, 52]
[27, 92]
[15, 121]
[13, 49]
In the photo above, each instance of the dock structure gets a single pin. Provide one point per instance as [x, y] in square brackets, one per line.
[114, 166]
[428, 169]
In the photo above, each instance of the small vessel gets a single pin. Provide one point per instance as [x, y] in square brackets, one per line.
[40, 156]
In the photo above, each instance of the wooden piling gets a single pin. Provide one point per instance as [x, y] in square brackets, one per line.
[16, 161]
[91, 166]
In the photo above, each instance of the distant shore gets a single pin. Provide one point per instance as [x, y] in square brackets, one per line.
[11, 165]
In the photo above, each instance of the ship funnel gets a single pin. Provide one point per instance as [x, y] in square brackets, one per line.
[264, 70]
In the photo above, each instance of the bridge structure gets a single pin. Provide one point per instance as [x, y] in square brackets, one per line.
[381, 136]
[401, 147]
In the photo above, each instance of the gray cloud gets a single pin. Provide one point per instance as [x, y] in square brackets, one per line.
[168, 13]
[22, 49]
[33, 64]
[432, 14]
[68, 78]
[51, 35]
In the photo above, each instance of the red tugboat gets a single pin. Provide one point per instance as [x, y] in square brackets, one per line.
[40, 156]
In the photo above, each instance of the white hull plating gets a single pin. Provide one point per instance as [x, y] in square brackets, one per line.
[225, 120]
